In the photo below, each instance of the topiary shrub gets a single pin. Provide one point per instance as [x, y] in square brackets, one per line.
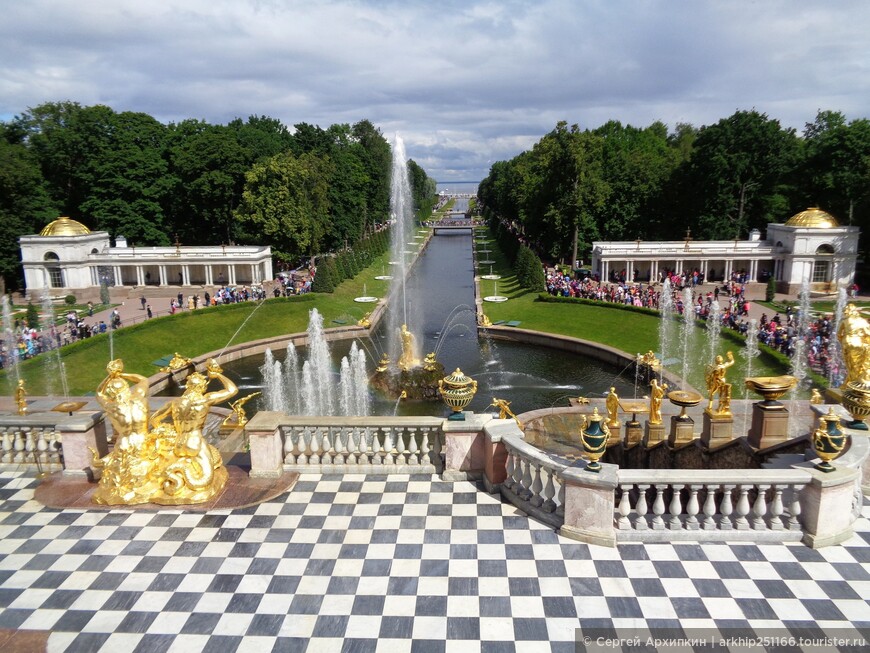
[32, 316]
[770, 292]
[70, 299]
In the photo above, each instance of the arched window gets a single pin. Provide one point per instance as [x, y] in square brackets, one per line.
[825, 249]
[94, 251]
[55, 274]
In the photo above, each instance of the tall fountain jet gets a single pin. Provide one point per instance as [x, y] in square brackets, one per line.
[402, 308]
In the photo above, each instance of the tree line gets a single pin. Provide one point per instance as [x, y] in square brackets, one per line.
[304, 191]
[620, 182]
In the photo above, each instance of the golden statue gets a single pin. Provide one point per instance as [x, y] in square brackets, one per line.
[403, 394]
[612, 403]
[504, 410]
[407, 360]
[172, 464]
[384, 364]
[238, 407]
[656, 394]
[127, 472]
[197, 474]
[816, 397]
[483, 320]
[717, 386]
[649, 359]
[21, 397]
[364, 321]
[176, 363]
[854, 336]
[429, 362]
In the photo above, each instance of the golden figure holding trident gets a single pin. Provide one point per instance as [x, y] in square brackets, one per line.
[407, 360]
[716, 385]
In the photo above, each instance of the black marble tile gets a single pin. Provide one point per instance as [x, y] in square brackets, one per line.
[368, 604]
[463, 628]
[431, 606]
[530, 629]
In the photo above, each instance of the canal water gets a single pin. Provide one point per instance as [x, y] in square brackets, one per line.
[440, 294]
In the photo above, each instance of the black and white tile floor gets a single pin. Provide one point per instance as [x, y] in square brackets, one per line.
[389, 563]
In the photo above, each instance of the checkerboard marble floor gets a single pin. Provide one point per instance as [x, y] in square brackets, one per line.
[387, 563]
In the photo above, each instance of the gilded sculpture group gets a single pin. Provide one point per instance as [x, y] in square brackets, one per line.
[161, 457]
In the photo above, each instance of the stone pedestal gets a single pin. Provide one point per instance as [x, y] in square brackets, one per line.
[826, 507]
[615, 434]
[633, 434]
[589, 501]
[495, 453]
[654, 436]
[769, 426]
[682, 431]
[717, 430]
[267, 445]
[79, 434]
[464, 451]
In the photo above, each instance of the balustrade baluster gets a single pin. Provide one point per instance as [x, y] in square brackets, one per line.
[413, 450]
[302, 458]
[339, 436]
[794, 519]
[55, 449]
[560, 509]
[42, 447]
[726, 507]
[693, 508]
[8, 444]
[315, 446]
[641, 508]
[425, 449]
[710, 508]
[624, 522]
[326, 445]
[401, 458]
[364, 438]
[759, 509]
[549, 492]
[288, 448]
[676, 508]
[19, 447]
[659, 506]
[527, 480]
[743, 508]
[351, 445]
[518, 475]
[776, 509]
[509, 470]
[537, 487]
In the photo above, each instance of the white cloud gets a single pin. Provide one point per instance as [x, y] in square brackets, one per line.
[466, 83]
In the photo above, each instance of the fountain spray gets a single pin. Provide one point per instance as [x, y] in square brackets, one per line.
[666, 309]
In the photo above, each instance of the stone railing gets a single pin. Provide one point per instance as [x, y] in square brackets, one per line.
[39, 446]
[365, 445]
[660, 505]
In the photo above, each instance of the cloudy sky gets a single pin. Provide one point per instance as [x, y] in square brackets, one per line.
[465, 82]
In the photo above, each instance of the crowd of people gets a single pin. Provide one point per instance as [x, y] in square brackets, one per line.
[726, 301]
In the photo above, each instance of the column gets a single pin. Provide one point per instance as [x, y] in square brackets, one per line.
[185, 275]
[232, 272]
[254, 275]
[209, 275]
[629, 271]
[140, 277]
[162, 275]
[603, 270]
[119, 278]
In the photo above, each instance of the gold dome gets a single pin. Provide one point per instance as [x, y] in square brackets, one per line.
[64, 226]
[814, 218]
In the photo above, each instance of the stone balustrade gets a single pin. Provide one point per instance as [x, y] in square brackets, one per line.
[51, 441]
[664, 505]
[362, 445]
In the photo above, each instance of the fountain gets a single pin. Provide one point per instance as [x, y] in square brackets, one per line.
[495, 297]
[383, 276]
[491, 276]
[799, 367]
[835, 351]
[365, 298]
[310, 390]
[687, 332]
[666, 309]
[714, 328]
[11, 340]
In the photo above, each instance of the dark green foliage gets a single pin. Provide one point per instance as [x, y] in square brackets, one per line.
[105, 298]
[770, 291]
[32, 316]
[529, 269]
[70, 299]
[325, 279]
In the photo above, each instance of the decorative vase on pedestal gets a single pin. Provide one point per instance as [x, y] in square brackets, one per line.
[457, 391]
[593, 437]
[828, 441]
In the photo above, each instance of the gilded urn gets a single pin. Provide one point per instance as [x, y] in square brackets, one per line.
[684, 399]
[593, 436]
[771, 388]
[457, 390]
[856, 399]
[828, 441]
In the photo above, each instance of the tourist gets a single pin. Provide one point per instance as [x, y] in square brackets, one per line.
[148, 311]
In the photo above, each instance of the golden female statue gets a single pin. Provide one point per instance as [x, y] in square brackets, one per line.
[407, 360]
[656, 393]
[612, 403]
[21, 397]
[716, 385]
[198, 473]
[854, 337]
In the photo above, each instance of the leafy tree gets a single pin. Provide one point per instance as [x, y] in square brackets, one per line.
[285, 200]
[423, 189]
[376, 159]
[736, 179]
[32, 316]
[25, 206]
